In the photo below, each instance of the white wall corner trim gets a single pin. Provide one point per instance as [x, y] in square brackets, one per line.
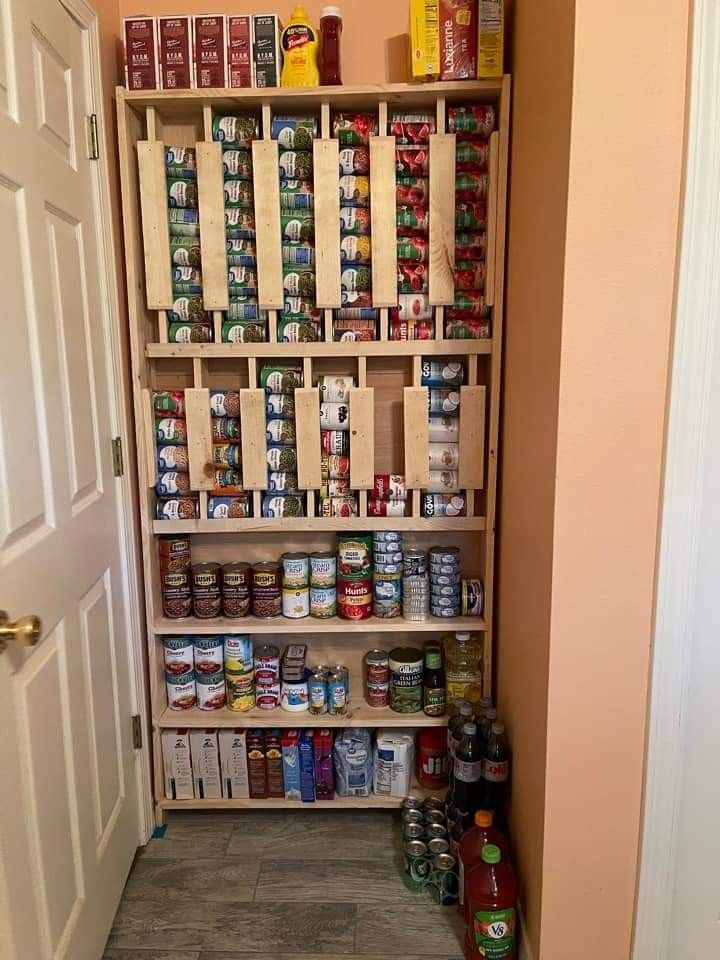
[687, 442]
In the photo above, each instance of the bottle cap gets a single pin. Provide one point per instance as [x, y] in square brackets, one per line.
[498, 728]
[462, 637]
[491, 853]
[331, 12]
[465, 710]
[491, 713]
[470, 729]
[483, 818]
[486, 703]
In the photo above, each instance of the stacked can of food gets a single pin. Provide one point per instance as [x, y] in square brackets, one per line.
[336, 498]
[239, 672]
[283, 498]
[189, 322]
[445, 589]
[266, 589]
[175, 585]
[387, 573]
[300, 319]
[244, 322]
[412, 319]
[175, 500]
[406, 669]
[356, 319]
[443, 380]
[468, 317]
[266, 660]
[377, 678]
[323, 584]
[178, 655]
[354, 576]
[415, 585]
[227, 499]
[294, 691]
[295, 585]
[388, 497]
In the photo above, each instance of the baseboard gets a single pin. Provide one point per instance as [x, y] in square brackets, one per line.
[524, 951]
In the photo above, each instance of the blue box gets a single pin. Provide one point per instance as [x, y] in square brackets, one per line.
[306, 749]
[291, 764]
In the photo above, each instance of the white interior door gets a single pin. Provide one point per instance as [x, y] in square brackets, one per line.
[68, 796]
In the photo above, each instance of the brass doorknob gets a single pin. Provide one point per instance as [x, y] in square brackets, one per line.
[25, 631]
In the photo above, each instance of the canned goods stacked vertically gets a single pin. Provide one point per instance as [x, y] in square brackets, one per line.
[300, 318]
[175, 500]
[415, 585]
[388, 497]
[387, 573]
[244, 322]
[443, 380]
[295, 585]
[239, 672]
[266, 659]
[227, 499]
[357, 318]
[188, 320]
[412, 319]
[336, 498]
[445, 586]
[283, 498]
[354, 576]
[467, 318]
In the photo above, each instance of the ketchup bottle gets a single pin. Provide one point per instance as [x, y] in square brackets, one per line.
[471, 848]
[330, 33]
[491, 891]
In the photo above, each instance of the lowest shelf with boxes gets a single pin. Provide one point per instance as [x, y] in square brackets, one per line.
[389, 430]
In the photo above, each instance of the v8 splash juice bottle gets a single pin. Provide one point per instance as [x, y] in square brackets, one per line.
[491, 891]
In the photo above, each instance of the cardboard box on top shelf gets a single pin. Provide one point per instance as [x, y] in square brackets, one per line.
[424, 39]
[140, 48]
[266, 50]
[491, 36]
[175, 59]
[210, 49]
[240, 51]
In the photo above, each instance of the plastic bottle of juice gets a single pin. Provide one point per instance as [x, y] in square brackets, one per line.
[299, 43]
[471, 848]
[330, 33]
[491, 892]
[463, 667]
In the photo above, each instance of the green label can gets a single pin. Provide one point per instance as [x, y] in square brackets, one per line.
[406, 679]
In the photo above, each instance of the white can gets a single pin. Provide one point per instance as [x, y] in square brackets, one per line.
[443, 429]
[335, 388]
[211, 691]
[443, 456]
[443, 481]
[178, 653]
[296, 603]
[181, 691]
[208, 654]
[334, 416]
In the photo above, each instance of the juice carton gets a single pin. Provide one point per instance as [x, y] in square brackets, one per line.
[210, 50]
[425, 39]
[291, 764]
[307, 766]
[324, 774]
[490, 38]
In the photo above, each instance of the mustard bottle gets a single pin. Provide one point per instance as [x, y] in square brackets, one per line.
[299, 43]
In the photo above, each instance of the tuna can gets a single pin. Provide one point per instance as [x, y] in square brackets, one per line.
[389, 487]
[267, 698]
[414, 563]
[445, 555]
[240, 690]
[438, 580]
[382, 557]
[176, 594]
[266, 590]
[206, 590]
[342, 506]
[438, 570]
[387, 588]
[282, 482]
[443, 429]
[335, 442]
[444, 590]
[388, 569]
[337, 695]
[354, 555]
[178, 654]
[280, 405]
[406, 679]
[387, 536]
[445, 611]
[443, 456]
[323, 602]
[208, 653]
[295, 570]
[181, 690]
[443, 505]
[354, 599]
[238, 653]
[386, 609]
[335, 467]
[210, 690]
[443, 402]
[334, 416]
[377, 694]
[296, 603]
[323, 569]
[266, 661]
[441, 373]
[236, 589]
[177, 508]
[317, 693]
[473, 596]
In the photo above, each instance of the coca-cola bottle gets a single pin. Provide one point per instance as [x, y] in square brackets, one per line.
[468, 773]
[496, 772]
[485, 722]
[455, 727]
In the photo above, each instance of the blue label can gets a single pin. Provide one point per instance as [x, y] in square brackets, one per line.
[318, 693]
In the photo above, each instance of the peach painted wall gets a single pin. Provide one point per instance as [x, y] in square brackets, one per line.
[624, 204]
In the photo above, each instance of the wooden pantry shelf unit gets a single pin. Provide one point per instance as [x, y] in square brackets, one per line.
[357, 715]
[388, 397]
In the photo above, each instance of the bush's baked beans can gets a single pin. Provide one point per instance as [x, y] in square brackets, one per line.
[206, 590]
[295, 570]
[210, 690]
[354, 555]
[181, 690]
[354, 598]
[335, 467]
[323, 569]
[443, 505]
[177, 508]
[238, 653]
[323, 602]
[235, 579]
[208, 653]
[296, 603]
[178, 654]
[240, 690]
[176, 588]
[174, 553]
[335, 442]
[473, 596]
[267, 601]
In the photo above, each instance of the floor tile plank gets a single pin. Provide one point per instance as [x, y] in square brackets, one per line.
[426, 929]
[366, 835]
[227, 880]
[120, 954]
[190, 840]
[333, 881]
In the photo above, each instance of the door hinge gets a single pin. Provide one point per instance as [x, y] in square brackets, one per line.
[117, 457]
[92, 137]
[137, 732]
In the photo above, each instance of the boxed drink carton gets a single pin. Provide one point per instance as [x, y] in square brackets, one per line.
[233, 764]
[458, 39]
[291, 764]
[239, 51]
[140, 45]
[491, 17]
[324, 774]
[175, 52]
[177, 765]
[394, 763]
[307, 766]
[210, 50]
[206, 764]
[257, 776]
[425, 39]
[266, 50]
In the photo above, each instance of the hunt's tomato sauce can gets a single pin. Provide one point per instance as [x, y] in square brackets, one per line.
[354, 599]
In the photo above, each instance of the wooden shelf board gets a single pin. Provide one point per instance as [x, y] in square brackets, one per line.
[367, 348]
[162, 626]
[359, 714]
[319, 524]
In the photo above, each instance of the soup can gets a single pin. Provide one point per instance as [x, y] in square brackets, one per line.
[236, 589]
[377, 694]
[335, 442]
[336, 488]
[176, 594]
[209, 657]
[335, 467]
[335, 388]
[442, 481]
[206, 590]
[296, 603]
[267, 601]
[295, 570]
[323, 602]
[354, 598]
[406, 679]
[240, 690]
[267, 665]
[323, 569]
[354, 555]
[181, 691]
[238, 653]
[443, 456]
[340, 506]
[389, 487]
[178, 655]
[267, 698]
[210, 690]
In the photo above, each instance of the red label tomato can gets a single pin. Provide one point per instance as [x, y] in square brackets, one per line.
[412, 277]
[389, 486]
[412, 161]
[354, 599]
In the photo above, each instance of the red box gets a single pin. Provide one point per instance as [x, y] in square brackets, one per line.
[210, 50]
[458, 39]
[140, 42]
[239, 31]
[174, 53]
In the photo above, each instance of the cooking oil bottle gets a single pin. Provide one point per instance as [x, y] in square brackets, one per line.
[463, 667]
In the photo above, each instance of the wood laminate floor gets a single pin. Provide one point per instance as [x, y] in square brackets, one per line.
[276, 886]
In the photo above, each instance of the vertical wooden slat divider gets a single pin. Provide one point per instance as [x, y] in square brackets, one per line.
[383, 221]
[441, 128]
[384, 333]
[326, 165]
[162, 319]
[326, 133]
[415, 424]
[471, 363]
[362, 371]
[199, 430]
[362, 503]
[155, 227]
[153, 124]
[492, 211]
[442, 219]
[472, 438]
[217, 325]
[149, 446]
[328, 325]
[362, 438]
[307, 426]
[207, 122]
[384, 323]
[253, 438]
[211, 205]
[266, 184]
